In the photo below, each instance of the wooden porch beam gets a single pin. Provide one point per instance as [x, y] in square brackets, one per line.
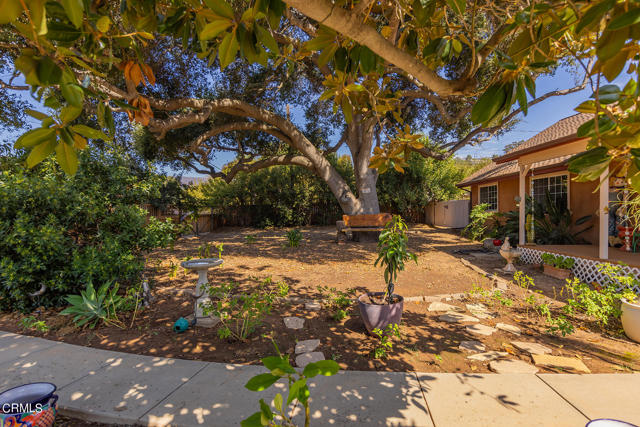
[522, 180]
[603, 215]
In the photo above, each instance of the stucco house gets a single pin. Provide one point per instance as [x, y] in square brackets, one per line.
[539, 166]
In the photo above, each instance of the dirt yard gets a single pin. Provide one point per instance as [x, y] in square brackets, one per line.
[428, 344]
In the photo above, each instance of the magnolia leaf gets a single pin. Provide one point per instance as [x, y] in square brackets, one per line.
[594, 13]
[326, 55]
[34, 137]
[267, 39]
[586, 107]
[36, 114]
[228, 49]
[74, 10]
[67, 158]
[626, 19]
[73, 94]
[612, 67]
[220, 8]
[41, 151]
[489, 104]
[38, 16]
[458, 6]
[367, 60]
[79, 142]
[11, 10]
[69, 113]
[48, 71]
[89, 132]
[213, 29]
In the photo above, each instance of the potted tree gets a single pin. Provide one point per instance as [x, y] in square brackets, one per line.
[379, 309]
[557, 266]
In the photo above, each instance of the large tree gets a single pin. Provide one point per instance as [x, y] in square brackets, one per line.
[464, 69]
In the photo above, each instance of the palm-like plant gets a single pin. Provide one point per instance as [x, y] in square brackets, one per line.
[393, 253]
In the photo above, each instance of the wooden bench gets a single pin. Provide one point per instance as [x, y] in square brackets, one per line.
[360, 223]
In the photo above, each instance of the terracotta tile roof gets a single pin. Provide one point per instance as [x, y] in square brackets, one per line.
[561, 129]
[493, 171]
[564, 128]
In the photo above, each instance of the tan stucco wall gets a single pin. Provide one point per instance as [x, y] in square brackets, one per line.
[582, 201]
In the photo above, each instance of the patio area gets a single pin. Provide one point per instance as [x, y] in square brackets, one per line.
[591, 252]
[587, 259]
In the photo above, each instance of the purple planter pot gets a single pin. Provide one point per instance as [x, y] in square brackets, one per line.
[379, 316]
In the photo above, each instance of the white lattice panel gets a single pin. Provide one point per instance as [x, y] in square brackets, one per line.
[584, 269]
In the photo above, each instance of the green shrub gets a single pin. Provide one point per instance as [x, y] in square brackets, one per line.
[294, 237]
[239, 313]
[479, 217]
[558, 261]
[63, 232]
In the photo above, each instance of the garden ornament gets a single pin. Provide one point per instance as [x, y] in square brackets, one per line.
[202, 266]
[509, 254]
[181, 325]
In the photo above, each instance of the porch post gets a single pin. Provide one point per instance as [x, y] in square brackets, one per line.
[523, 197]
[603, 213]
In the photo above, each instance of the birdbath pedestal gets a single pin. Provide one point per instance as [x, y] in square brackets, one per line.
[202, 266]
[509, 254]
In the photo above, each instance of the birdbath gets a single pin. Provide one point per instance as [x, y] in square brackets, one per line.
[202, 266]
[509, 254]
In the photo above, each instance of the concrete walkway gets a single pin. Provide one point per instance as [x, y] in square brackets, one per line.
[111, 387]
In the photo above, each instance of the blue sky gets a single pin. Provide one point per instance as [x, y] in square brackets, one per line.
[539, 117]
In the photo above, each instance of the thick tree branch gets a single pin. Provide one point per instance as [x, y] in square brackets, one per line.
[350, 25]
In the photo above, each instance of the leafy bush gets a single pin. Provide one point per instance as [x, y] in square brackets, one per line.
[62, 232]
[478, 224]
[386, 340]
[558, 261]
[90, 306]
[299, 392]
[602, 302]
[337, 302]
[294, 237]
[240, 313]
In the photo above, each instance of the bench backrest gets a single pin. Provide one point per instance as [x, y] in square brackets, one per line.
[367, 220]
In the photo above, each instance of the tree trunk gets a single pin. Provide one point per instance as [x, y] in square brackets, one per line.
[360, 143]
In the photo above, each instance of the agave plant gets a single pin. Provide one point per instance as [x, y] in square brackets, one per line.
[90, 306]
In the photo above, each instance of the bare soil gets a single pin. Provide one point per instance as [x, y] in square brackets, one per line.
[427, 344]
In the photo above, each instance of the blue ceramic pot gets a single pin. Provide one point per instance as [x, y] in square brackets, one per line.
[29, 405]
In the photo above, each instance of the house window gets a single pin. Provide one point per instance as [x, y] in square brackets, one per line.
[557, 187]
[489, 195]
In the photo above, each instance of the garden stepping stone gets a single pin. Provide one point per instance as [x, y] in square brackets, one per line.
[313, 306]
[508, 328]
[293, 322]
[441, 306]
[306, 358]
[307, 346]
[488, 356]
[482, 314]
[569, 363]
[453, 317]
[531, 347]
[509, 366]
[481, 329]
[472, 346]
[477, 307]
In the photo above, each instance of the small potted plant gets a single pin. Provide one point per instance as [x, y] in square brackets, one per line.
[379, 309]
[557, 266]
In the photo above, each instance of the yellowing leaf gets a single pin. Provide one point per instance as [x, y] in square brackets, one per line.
[212, 29]
[67, 158]
[228, 49]
[103, 24]
[79, 142]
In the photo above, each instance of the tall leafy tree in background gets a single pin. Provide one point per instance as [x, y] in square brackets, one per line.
[471, 64]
